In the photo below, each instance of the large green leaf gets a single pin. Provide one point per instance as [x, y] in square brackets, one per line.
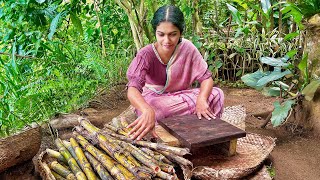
[280, 112]
[76, 22]
[290, 36]
[291, 53]
[273, 61]
[235, 14]
[252, 79]
[271, 77]
[310, 89]
[40, 1]
[266, 5]
[271, 91]
[54, 25]
[303, 67]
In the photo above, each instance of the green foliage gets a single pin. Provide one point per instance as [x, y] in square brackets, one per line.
[271, 83]
[280, 112]
[51, 59]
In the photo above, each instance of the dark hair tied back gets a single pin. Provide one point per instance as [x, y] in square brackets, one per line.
[168, 13]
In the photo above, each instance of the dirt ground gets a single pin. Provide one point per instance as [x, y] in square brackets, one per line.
[295, 157]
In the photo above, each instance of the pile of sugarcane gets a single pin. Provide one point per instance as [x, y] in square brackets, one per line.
[108, 153]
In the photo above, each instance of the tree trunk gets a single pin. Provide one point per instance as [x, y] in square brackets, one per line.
[137, 13]
[96, 8]
[280, 20]
[197, 24]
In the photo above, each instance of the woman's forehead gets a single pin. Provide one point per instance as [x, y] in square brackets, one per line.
[167, 27]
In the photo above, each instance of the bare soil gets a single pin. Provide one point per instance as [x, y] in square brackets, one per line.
[295, 157]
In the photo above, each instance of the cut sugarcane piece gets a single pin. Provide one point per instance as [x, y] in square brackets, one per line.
[71, 161]
[82, 160]
[111, 165]
[103, 173]
[61, 170]
[57, 155]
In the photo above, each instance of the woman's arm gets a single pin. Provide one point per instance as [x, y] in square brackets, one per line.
[202, 106]
[144, 123]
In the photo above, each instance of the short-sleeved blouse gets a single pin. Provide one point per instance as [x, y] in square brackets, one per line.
[185, 66]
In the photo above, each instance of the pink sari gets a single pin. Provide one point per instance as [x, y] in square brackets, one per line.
[167, 87]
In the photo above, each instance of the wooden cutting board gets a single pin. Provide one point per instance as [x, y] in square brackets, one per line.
[194, 133]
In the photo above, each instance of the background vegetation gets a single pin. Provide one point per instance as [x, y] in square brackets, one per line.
[56, 54]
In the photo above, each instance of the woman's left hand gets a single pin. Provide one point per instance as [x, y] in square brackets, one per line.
[203, 109]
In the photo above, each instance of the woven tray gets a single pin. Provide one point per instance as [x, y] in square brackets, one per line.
[252, 150]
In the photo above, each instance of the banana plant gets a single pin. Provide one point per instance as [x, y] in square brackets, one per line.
[289, 82]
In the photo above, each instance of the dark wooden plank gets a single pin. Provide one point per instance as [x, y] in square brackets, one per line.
[194, 133]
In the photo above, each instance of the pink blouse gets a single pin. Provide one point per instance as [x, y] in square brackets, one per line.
[185, 66]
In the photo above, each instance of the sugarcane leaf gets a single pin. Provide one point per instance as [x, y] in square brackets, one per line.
[273, 61]
[252, 79]
[310, 89]
[280, 112]
[272, 77]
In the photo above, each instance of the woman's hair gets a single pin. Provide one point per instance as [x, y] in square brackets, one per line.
[168, 13]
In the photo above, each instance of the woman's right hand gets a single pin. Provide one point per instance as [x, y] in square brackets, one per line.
[143, 124]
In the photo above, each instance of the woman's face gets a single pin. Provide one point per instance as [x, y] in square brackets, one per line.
[167, 36]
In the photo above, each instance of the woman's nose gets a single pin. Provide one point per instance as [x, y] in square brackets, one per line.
[166, 39]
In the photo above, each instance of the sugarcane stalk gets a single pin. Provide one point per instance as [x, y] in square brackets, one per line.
[111, 128]
[115, 151]
[124, 122]
[175, 158]
[57, 155]
[111, 165]
[140, 157]
[71, 161]
[83, 162]
[166, 167]
[160, 157]
[157, 146]
[48, 172]
[164, 175]
[61, 170]
[115, 122]
[71, 150]
[148, 151]
[57, 176]
[150, 155]
[121, 159]
[103, 173]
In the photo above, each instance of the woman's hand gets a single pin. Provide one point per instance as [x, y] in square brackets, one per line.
[143, 124]
[203, 109]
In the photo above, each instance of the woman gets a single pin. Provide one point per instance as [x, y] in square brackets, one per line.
[161, 74]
